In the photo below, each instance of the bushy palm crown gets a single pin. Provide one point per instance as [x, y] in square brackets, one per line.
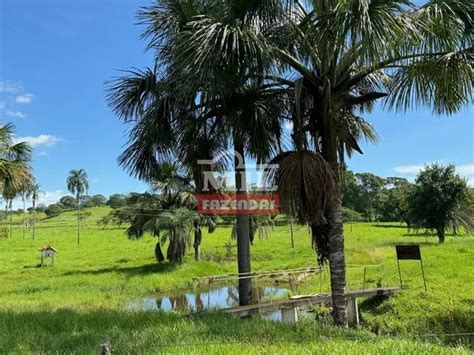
[77, 182]
[336, 58]
[15, 171]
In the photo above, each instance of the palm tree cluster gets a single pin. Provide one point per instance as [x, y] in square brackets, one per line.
[235, 72]
[16, 177]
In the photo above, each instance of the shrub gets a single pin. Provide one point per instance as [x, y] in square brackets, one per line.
[53, 211]
[349, 215]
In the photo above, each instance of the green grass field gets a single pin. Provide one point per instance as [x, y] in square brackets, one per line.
[83, 300]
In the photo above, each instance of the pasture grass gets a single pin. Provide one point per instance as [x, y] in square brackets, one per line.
[82, 300]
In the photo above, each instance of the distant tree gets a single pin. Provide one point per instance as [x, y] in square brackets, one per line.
[53, 210]
[117, 201]
[41, 207]
[33, 192]
[116, 217]
[86, 202]
[349, 215]
[371, 186]
[98, 200]
[436, 199]
[350, 191]
[77, 184]
[67, 202]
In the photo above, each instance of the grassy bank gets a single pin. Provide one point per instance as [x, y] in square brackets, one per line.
[82, 300]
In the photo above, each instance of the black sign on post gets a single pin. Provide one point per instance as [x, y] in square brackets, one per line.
[409, 252]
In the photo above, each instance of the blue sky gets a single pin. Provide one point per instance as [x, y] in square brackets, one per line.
[56, 54]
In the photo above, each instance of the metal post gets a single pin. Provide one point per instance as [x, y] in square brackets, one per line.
[399, 273]
[423, 273]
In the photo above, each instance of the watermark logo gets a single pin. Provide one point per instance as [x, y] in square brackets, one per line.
[219, 198]
[253, 204]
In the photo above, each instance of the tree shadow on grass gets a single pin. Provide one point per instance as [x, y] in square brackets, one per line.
[389, 226]
[129, 271]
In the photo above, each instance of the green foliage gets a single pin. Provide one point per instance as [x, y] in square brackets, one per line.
[67, 202]
[437, 197]
[15, 170]
[83, 299]
[349, 215]
[4, 232]
[117, 201]
[98, 200]
[77, 182]
[53, 210]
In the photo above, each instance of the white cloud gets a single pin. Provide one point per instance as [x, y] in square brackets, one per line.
[46, 197]
[465, 170]
[10, 87]
[15, 114]
[24, 99]
[42, 154]
[408, 169]
[41, 140]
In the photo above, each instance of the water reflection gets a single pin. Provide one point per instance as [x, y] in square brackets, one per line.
[218, 298]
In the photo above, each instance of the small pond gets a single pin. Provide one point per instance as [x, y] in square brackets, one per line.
[218, 298]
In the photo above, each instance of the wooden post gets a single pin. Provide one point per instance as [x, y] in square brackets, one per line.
[289, 315]
[352, 312]
[399, 273]
[365, 272]
[291, 231]
[423, 273]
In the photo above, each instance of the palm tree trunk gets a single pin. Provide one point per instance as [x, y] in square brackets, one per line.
[34, 216]
[441, 235]
[337, 266]
[78, 218]
[337, 263]
[11, 219]
[197, 243]
[242, 228]
[24, 213]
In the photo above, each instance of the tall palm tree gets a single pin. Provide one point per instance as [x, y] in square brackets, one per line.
[15, 169]
[33, 192]
[77, 184]
[248, 108]
[345, 56]
[198, 126]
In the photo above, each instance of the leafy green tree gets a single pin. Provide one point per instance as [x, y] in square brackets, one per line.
[67, 202]
[77, 184]
[344, 57]
[98, 200]
[53, 210]
[351, 191]
[117, 201]
[371, 186]
[436, 198]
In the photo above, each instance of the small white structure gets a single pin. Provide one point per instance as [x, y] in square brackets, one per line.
[47, 252]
